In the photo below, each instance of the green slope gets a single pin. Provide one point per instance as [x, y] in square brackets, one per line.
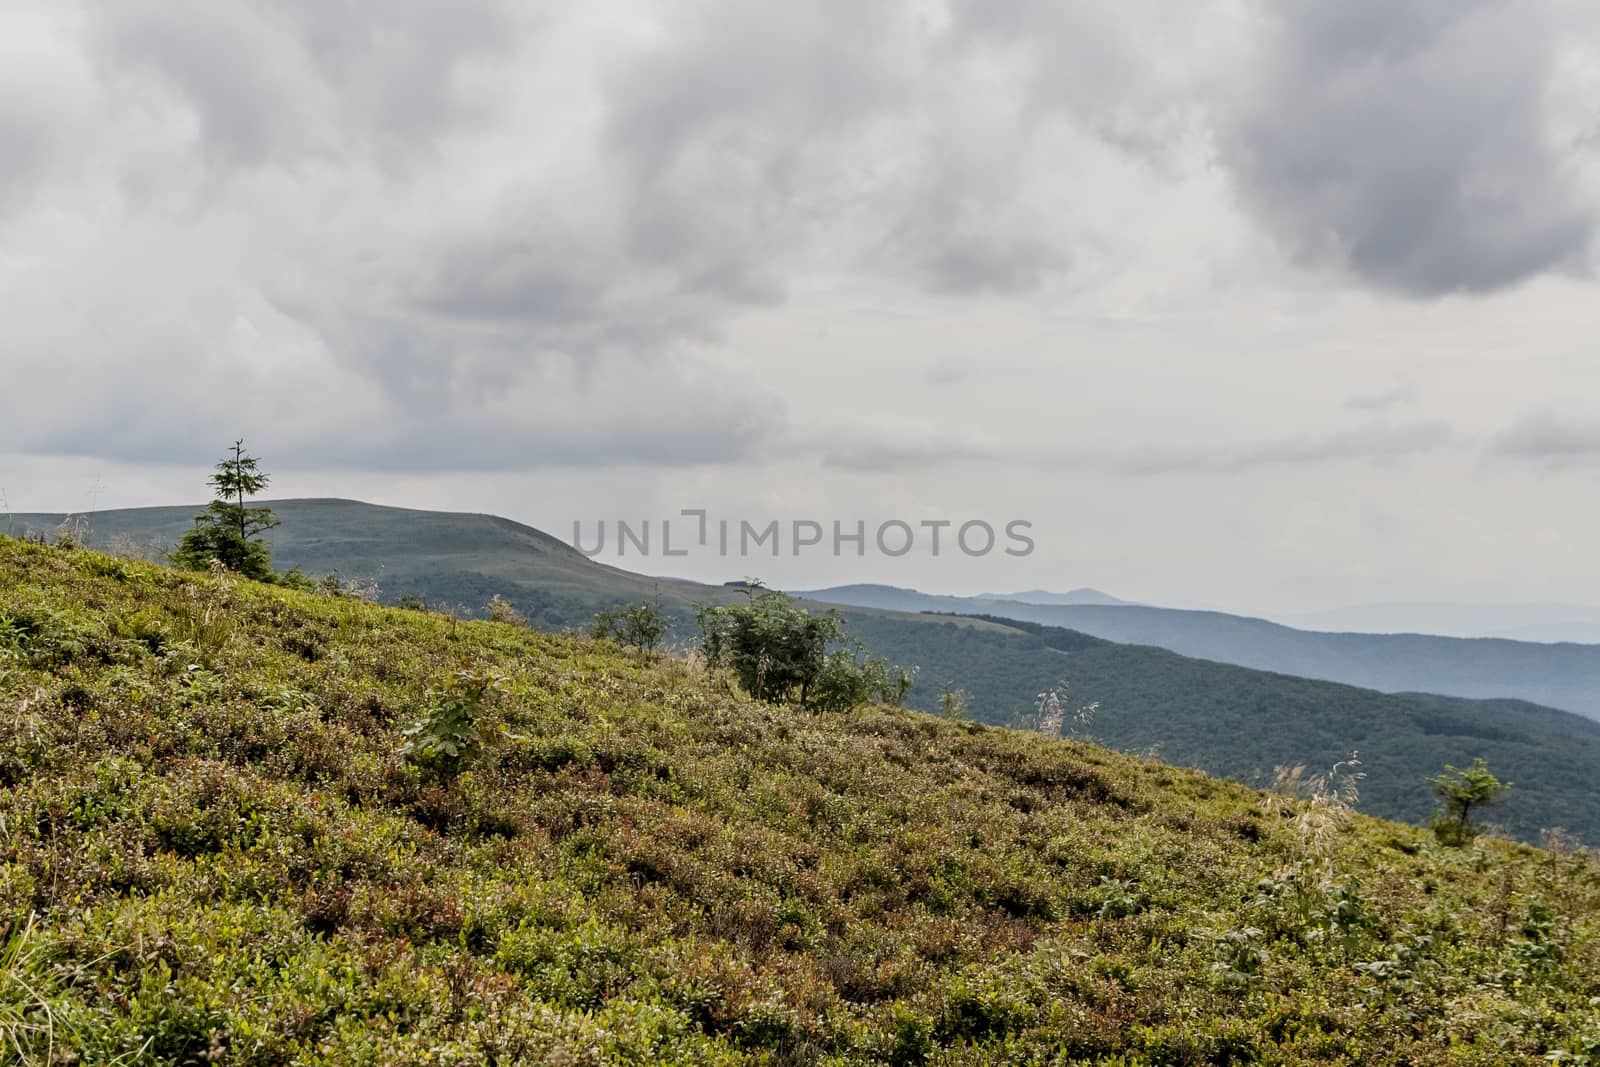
[454, 560]
[1231, 721]
[213, 849]
[1244, 723]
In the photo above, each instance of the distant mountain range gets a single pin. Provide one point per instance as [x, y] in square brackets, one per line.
[1549, 622]
[1560, 675]
[1225, 719]
[1044, 596]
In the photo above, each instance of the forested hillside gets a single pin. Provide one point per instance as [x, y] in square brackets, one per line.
[1244, 723]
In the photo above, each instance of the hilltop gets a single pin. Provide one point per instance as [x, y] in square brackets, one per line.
[214, 847]
[452, 559]
[1082, 595]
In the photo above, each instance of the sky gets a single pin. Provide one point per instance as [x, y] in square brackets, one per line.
[1263, 306]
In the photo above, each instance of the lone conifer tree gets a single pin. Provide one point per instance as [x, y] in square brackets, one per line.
[229, 531]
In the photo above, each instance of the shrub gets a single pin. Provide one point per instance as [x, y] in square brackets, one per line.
[781, 652]
[452, 731]
[1462, 791]
[639, 626]
[499, 609]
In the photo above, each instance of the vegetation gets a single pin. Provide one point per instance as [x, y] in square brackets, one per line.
[640, 626]
[232, 829]
[1461, 792]
[1242, 723]
[1563, 676]
[459, 559]
[229, 532]
[780, 652]
[1223, 719]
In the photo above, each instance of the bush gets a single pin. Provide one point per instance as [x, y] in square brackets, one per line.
[782, 653]
[452, 731]
[499, 609]
[639, 626]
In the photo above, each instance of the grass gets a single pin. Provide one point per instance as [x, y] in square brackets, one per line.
[215, 848]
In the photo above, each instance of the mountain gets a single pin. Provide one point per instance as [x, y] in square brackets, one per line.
[1563, 676]
[1044, 596]
[1244, 723]
[1548, 622]
[453, 560]
[229, 833]
[1241, 723]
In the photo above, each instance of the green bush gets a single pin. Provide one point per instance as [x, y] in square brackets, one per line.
[780, 652]
[640, 626]
[453, 729]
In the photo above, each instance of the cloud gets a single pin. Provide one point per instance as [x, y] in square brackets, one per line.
[302, 80]
[948, 370]
[1402, 395]
[1407, 143]
[1550, 437]
[22, 144]
[1378, 443]
[909, 447]
[474, 217]
[907, 450]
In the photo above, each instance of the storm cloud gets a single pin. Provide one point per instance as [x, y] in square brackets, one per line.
[1409, 142]
[698, 233]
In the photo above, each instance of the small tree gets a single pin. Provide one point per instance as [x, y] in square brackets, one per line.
[499, 609]
[640, 626]
[781, 652]
[1463, 791]
[229, 531]
[953, 705]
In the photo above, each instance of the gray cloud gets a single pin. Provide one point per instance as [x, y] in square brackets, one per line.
[1549, 437]
[303, 79]
[1381, 400]
[1369, 444]
[636, 415]
[22, 150]
[302, 214]
[1406, 142]
[936, 448]
[758, 138]
[905, 452]
[687, 431]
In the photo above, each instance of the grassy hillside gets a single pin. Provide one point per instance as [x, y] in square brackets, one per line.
[214, 848]
[1563, 676]
[453, 560]
[1243, 723]
[1227, 721]
[463, 560]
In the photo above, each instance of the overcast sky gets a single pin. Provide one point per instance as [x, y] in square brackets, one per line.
[1268, 306]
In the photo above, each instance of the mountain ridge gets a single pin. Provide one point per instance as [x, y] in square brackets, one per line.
[1566, 676]
[1231, 720]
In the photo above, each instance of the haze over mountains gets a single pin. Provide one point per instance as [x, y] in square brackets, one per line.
[1558, 675]
[1196, 709]
[1044, 596]
[1548, 622]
